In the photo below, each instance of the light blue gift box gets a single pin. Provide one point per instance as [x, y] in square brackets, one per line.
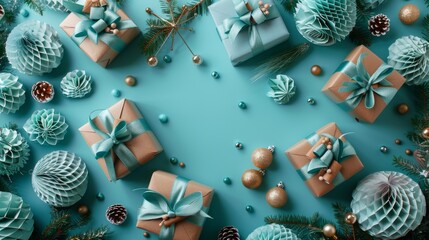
[272, 31]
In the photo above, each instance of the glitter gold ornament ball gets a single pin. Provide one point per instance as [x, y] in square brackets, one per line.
[409, 14]
[350, 218]
[329, 230]
[252, 178]
[262, 158]
[425, 133]
[276, 197]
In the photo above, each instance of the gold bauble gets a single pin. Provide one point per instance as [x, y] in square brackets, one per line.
[329, 230]
[408, 152]
[425, 133]
[276, 197]
[350, 218]
[197, 59]
[83, 210]
[316, 70]
[130, 80]
[152, 61]
[252, 178]
[402, 108]
[409, 14]
[262, 158]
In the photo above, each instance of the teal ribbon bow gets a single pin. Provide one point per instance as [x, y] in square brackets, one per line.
[114, 141]
[156, 206]
[364, 84]
[93, 25]
[249, 20]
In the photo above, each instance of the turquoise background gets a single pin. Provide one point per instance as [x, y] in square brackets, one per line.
[205, 122]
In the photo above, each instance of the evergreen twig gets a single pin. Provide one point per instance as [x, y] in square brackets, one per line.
[426, 27]
[290, 5]
[95, 234]
[35, 5]
[360, 36]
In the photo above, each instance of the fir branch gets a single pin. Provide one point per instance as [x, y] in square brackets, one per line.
[154, 37]
[406, 166]
[62, 222]
[360, 36]
[345, 231]
[95, 234]
[427, 3]
[200, 7]
[363, 15]
[304, 227]
[426, 27]
[35, 5]
[281, 61]
[290, 5]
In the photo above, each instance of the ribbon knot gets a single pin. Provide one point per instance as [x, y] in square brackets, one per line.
[365, 86]
[171, 214]
[119, 135]
[99, 19]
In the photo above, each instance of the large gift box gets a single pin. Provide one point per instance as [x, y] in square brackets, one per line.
[244, 28]
[324, 159]
[91, 28]
[363, 84]
[120, 139]
[174, 207]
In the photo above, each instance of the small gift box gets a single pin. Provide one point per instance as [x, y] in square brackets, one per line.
[101, 31]
[363, 84]
[120, 139]
[247, 28]
[324, 159]
[174, 207]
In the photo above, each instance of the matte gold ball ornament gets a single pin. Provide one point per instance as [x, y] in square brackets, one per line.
[425, 133]
[409, 14]
[197, 59]
[402, 108]
[350, 218]
[152, 61]
[83, 210]
[329, 231]
[130, 80]
[276, 197]
[252, 178]
[316, 70]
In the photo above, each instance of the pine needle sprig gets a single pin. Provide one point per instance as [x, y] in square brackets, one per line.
[363, 15]
[340, 212]
[407, 166]
[281, 61]
[62, 222]
[426, 27]
[360, 36]
[290, 5]
[200, 7]
[35, 5]
[154, 37]
[95, 234]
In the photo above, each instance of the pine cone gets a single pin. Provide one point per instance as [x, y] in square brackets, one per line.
[228, 233]
[379, 25]
[42, 92]
[116, 214]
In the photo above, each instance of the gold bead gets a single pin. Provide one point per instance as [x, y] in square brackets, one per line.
[83, 210]
[252, 178]
[402, 108]
[398, 141]
[276, 197]
[146, 234]
[409, 14]
[115, 31]
[152, 61]
[197, 59]
[113, 25]
[262, 158]
[130, 80]
[149, 11]
[350, 218]
[425, 133]
[408, 152]
[316, 70]
[182, 164]
[329, 230]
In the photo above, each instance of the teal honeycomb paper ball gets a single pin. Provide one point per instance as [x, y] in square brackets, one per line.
[46, 126]
[282, 89]
[60, 178]
[16, 218]
[272, 232]
[34, 48]
[56, 4]
[325, 22]
[409, 55]
[14, 151]
[388, 204]
[370, 4]
[76, 84]
[12, 95]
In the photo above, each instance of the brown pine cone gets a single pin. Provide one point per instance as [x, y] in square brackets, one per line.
[379, 25]
[228, 233]
[42, 91]
[116, 214]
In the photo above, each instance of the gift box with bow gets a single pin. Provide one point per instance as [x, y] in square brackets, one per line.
[324, 159]
[174, 207]
[100, 29]
[363, 84]
[247, 28]
[120, 139]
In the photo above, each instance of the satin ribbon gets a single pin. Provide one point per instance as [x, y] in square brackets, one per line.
[115, 139]
[366, 86]
[156, 206]
[247, 20]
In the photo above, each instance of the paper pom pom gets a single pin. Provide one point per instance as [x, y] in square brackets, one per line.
[60, 179]
[34, 48]
[12, 96]
[370, 4]
[272, 232]
[46, 126]
[76, 84]
[56, 4]
[388, 204]
[16, 218]
[14, 151]
[410, 57]
[282, 89]
[325, 22]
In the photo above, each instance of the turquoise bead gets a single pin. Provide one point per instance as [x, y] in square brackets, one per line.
[116, 93]
[24, 12]
[163, 118]
[249, 208]
[167, 59]
[100, 197]
[173, 160]
[227, 180]
[242, 105]
[215, 75]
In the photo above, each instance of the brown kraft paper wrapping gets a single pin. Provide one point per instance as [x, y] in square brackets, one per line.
[372, 62]
[144, 147]
[100, 53]
[297, 155]
[162, 182]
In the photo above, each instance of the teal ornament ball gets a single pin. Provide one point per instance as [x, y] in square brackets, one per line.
[60, 178]
[14, 151]
[12, 95]
[76, 84]
[370, 4]
[409, 55]
[16, 218]
[282, 89]
[272, 232]
[46, 126]
[56, 4]
[325, 22]
[388, 204]
[34, 48]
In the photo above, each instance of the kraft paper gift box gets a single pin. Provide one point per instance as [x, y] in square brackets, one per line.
[322, 176]
[80, 25]
[171, 189]
[270, 30]
[138, 140]
[362, 70]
